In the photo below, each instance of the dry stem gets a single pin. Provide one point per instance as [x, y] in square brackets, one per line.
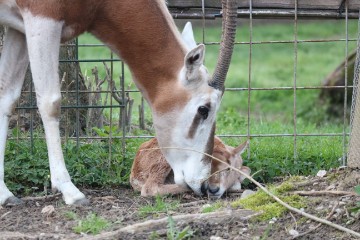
[319, 193]
[317, 226]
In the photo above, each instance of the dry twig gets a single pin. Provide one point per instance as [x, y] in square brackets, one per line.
[320, 193]
[5, 214]
[18, 235]
[317, 226]
[47, 197]
[190, 204]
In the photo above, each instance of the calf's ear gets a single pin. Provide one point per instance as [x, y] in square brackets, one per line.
[246, 170]
[236, 152]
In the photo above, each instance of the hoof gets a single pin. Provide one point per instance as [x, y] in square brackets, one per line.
[13, 201]
[82, 202]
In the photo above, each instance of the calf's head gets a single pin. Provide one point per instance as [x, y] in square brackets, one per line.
[224, 178]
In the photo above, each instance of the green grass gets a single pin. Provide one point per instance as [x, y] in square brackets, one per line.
[173, 233]
[272, 66]
[212, 207]
[89, 164]
[92, 224]
[159, 206]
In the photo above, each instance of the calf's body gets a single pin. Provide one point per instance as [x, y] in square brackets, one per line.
[151, 174]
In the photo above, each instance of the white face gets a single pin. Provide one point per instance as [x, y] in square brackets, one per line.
[191, 127]
[191, 124]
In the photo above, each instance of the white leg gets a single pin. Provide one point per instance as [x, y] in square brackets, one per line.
[43, 41]
[13, 64]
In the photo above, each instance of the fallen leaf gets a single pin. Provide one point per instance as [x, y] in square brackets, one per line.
[48, 210]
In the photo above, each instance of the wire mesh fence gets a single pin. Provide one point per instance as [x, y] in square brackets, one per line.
[101, 104]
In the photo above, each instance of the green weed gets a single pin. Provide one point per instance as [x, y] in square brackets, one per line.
[212, 207]
[175, 234]
[91, 224]
[88, 163]
[160, 206]
[70, 215]
[357, 207]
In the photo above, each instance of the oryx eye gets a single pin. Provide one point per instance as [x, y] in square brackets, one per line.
[203, 111]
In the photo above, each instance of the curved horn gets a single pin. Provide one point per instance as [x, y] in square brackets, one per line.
[226, 45]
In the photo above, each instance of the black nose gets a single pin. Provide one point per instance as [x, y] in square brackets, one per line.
[213, 189]
[204, 188]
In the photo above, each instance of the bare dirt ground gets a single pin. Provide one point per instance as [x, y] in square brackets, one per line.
[120, 207]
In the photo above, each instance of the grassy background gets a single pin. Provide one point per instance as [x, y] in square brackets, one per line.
[271, 112]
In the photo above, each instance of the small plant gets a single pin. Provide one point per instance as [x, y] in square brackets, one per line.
[266, 233]
[154, 236]
[357, 207]
[211, 207]
[70, 215]
[91, 224]
[174, 234]
[160, 206]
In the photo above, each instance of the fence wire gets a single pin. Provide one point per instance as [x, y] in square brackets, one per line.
[354, 144]
[114, 97]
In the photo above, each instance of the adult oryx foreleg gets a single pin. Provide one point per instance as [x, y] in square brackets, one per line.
[43, 37]
[13, 64]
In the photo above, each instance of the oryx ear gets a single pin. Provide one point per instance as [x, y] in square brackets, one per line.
[193, 61]
[188, 36]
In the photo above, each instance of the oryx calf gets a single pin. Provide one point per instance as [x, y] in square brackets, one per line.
[152, 175]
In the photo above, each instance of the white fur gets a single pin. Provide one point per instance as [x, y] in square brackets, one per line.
[13, 64]
[43, 37]
[9, 17]
[188, 36]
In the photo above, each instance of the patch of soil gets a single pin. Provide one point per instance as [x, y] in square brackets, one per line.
[121, 208]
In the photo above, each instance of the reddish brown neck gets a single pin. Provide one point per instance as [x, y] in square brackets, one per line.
[143, 35]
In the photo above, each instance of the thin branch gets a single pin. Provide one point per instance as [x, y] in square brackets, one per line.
[113, 89]
[19, 235]
[317, 226]
[47, 197]
[320, 193]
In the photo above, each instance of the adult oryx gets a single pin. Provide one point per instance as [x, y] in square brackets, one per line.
[183, 97]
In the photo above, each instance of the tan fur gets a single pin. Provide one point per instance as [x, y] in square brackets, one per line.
[109, 21]
[152, 175]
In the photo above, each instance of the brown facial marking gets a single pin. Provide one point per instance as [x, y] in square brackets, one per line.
[194, 126]
[196, 122]
[209, 146]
